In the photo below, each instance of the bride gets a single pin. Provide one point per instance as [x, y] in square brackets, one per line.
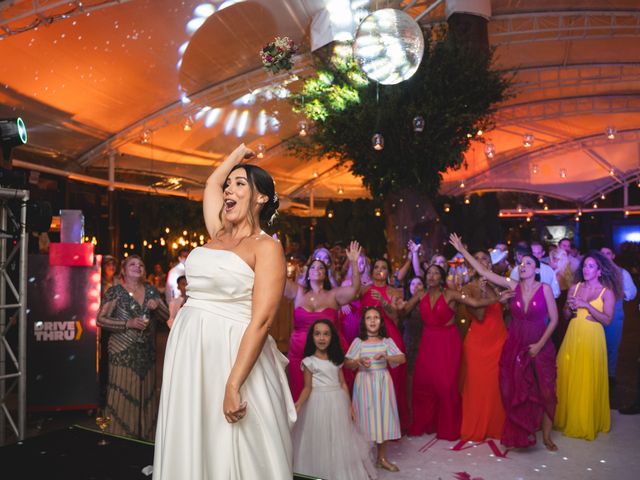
[225, 407]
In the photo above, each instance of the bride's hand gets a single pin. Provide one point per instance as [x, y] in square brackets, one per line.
[233, 408]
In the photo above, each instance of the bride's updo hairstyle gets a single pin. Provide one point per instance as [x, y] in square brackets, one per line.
[261, 182]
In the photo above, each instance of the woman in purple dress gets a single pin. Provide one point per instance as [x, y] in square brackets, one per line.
[528, 361]
[316, 300]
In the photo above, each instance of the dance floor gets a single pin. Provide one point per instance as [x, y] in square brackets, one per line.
[610, 456]
[73, 453]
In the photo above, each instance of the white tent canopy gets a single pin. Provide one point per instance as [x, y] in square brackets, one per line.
[100, 80]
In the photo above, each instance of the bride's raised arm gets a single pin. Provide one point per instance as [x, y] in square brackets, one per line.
[212, 198]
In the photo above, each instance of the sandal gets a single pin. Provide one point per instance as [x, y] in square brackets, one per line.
[387, 465]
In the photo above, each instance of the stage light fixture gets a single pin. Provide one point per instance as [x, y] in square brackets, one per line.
[13, 132]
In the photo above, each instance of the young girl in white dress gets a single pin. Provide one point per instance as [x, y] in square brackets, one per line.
[374, 399]
[326, 441]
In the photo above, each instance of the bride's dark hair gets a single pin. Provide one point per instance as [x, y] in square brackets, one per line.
[259, 181]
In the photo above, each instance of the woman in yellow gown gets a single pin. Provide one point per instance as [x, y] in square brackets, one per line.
[583, 388]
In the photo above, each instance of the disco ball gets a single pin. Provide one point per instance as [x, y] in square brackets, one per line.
[389, 46]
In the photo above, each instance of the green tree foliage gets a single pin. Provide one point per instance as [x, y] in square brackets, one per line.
[455, 90]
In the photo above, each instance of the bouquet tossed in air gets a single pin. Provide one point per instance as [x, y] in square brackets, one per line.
[277, 55]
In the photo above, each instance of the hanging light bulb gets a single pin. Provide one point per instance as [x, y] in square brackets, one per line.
[610, 132]
[527, 140]
[447, 208]
[595, 205]
[535, 169]
[563, 173]
[315, 174]
[145, 136]
[329, 213]
[546, 207]
[528, 219]
[467, 200]
[540, 199]
[490, 150]
[302, 128]
[519, 208]
[187, 124]
[260, 149]
[479, 133]
[612, 172]
[418, 124]
[377, 212]
[462, 185]
[377, 141]
[340, 190]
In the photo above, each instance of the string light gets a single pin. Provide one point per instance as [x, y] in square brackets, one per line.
[340, 190]
[610, 132]
[329, 213]
[595, 205]
[260, 149]
[302, 128]
[188, 123]
[315, 174]
[527, 140]
[447, 208]
[490, 150]
[467, 200]
[462, 184]
[377, 212]
[563, 173]
[602, 196]
[540, 199]
[535, 169]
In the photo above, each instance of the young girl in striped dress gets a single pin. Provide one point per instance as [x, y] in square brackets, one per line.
[326, 441]
[374, 400]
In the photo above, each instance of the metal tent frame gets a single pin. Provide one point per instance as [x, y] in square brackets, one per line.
[13, 364]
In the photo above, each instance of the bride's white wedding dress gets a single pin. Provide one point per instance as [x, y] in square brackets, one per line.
[193, 439]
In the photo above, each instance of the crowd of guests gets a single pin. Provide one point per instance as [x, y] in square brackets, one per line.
[476, 347]
[483, 345]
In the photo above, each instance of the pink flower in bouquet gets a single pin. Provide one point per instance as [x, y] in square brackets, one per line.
[278, 54]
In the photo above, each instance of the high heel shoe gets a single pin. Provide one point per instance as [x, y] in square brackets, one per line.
[387, 465]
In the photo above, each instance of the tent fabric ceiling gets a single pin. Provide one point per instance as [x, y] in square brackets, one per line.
[123, 77]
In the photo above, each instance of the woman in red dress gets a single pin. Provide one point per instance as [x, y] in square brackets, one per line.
[436, 401]
[482, 411]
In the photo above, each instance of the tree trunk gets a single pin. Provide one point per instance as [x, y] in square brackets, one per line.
[410, 215]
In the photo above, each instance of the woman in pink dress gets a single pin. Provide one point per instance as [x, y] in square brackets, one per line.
[436, 401]
[316, 300]
[528, 361]
[388, 300]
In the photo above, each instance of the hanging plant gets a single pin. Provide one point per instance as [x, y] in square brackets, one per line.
[454, 91]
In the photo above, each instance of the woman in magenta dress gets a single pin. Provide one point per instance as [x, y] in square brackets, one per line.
[436, 401]
[380, 294]
[528, 361]
[314, 301]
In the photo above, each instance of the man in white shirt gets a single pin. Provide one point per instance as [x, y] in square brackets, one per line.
[173, 275]
[613, 331]
[547, 275]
